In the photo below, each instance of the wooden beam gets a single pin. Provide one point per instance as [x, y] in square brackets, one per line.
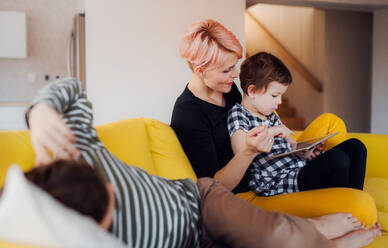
[287, 55]
[358, 5]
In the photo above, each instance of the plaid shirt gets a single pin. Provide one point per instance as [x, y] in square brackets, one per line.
[267, 176]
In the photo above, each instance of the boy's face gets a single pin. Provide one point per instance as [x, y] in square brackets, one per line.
[267, 101]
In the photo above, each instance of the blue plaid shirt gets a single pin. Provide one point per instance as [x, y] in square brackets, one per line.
[267, 176]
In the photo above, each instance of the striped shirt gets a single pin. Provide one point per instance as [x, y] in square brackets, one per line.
[268, 176]
[150, 211]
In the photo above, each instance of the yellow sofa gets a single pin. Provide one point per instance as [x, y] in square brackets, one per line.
[152, 145]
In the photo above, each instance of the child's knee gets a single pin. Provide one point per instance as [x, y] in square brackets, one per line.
[357, 145]
[339, 162]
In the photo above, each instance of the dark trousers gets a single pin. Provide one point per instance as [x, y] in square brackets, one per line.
[229, 221]
[341, 166]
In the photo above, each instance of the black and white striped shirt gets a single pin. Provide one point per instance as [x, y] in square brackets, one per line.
[150, 211]
[268, 176]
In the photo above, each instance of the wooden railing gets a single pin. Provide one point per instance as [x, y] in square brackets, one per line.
[287, 55]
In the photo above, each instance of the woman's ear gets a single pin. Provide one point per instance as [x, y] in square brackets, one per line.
[108, 217]
[199, 71]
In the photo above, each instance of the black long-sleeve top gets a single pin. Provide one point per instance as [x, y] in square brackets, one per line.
[201, 128]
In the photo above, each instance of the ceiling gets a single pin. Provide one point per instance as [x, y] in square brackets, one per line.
[358, 5]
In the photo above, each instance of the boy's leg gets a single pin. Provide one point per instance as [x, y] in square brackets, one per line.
[342, 166]
[322, 125]
[328, 170]
[229, 219]
[357, 153]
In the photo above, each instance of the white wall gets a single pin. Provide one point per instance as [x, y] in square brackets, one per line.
[13, 43]
[379, 120]
[12, 117]
[347, 91]
[133, 67]
[301, 31]
[49, 23]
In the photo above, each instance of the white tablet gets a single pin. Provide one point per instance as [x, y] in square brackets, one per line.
[306, 145]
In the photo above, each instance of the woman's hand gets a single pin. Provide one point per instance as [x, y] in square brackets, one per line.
[50, 133]
[259, 139]
[245, 145]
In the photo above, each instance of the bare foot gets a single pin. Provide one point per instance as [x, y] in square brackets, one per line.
[358, 238]
[336, 225]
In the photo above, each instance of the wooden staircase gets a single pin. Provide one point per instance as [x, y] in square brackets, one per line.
[289, 117]
[287, 113]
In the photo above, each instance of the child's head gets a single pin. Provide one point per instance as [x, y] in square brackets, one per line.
[264, 79]
[74, 184]
[261, 69]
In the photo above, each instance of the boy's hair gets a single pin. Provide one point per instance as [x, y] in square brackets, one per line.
[207, 42]
[74, 184]
[261, 69]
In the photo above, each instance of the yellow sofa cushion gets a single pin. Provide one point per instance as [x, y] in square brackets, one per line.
[15, 148]
[314, 203]
[4, 244]
[146, 143]
[377, 149]
[167, 153]
[378, 189]
[128, 140]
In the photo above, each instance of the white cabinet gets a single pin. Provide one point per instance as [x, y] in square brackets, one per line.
[13, 34]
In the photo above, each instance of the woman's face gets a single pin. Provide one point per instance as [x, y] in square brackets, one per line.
[221, 79]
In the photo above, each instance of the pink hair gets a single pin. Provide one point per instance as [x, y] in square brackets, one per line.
[207, 42]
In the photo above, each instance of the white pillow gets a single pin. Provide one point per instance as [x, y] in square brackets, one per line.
[28, 215]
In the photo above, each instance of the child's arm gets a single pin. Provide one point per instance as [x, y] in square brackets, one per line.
[238, 140]
[252, 140]
[64, 98]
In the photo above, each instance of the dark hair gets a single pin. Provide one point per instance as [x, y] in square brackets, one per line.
[74, 184]
[261, 69]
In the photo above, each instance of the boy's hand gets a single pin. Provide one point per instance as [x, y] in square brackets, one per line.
[50, 133]
[284, 132]
[312, 153]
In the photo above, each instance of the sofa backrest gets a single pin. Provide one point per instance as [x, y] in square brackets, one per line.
[149, 144]
[377, 153]
[15, 148]
[146, 143]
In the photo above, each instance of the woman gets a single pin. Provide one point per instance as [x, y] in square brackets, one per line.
[200, 117]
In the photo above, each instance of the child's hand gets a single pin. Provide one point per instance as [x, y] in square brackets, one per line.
[312, 153]
[281, 131]
[284, 132]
